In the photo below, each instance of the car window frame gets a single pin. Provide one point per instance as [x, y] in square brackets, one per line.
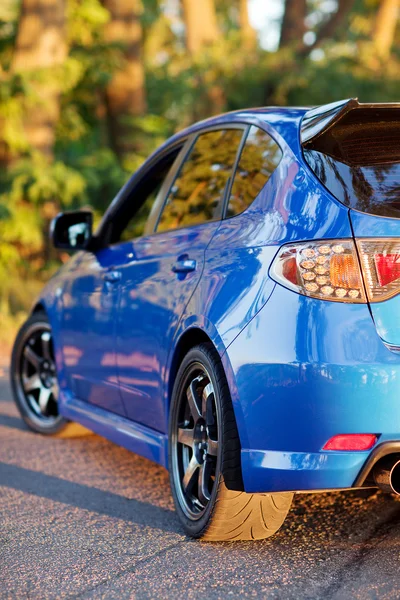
[238, 157]
[191, 142]
[186, 143]
[104, 230]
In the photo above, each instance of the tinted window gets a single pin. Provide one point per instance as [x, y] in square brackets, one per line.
[134, 218]
[136, 225]
[358, 160]
[260, 157]
[198, 190]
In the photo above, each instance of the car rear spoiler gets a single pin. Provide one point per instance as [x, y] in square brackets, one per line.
[319, 120]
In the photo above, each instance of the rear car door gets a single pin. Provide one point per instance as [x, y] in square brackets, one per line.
[165, 268]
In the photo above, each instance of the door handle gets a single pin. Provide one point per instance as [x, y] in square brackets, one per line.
[112, 276]
[184, 266]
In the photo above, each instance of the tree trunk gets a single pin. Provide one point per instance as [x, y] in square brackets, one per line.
[329, 28]
[293, 23]
[201, 30]
[385, 27]
[125, 94]
[41, 46]
[248, 33]
[201, 24]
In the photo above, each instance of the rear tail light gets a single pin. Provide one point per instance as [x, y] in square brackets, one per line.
[330, 269]
[351, 441]
[380, 260]
[326, 269]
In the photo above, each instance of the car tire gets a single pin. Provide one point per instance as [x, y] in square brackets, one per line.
[204, 458]
[34, 378]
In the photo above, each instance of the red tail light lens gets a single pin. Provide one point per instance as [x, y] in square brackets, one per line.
[326, 269]
[387, 268]
[352, 441]
[380, 261]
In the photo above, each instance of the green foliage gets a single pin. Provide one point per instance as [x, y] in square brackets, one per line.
[37, 182]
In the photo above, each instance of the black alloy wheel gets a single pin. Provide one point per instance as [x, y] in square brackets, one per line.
[34, 376]
[194, 442]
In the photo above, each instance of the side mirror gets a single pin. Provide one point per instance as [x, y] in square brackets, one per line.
[72, 230]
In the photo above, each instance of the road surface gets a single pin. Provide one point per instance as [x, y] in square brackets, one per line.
[83, 518]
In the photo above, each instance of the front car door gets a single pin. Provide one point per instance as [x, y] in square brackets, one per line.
[91, 297]
[87, 332]
[165, 268]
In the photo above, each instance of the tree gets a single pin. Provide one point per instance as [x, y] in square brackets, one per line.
[293, 23]
[328, 28]
[40, 48]
[200, 24]
[125, 94]
[201, 30]
[385, 27]
[248, 33]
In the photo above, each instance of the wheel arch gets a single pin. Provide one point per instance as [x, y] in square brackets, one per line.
[38, 307]
[50, 304]
[194, 330]
[199, 332]
[189, 339]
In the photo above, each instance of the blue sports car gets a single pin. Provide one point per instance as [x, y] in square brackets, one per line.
[236, 315]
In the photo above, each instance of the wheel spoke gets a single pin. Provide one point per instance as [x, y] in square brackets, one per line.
[31, 383]
[54, 390]
[44, 397]
[206, 405]
[194, 400]
[185, 436]
[190, 474]
[32, 357]
[212, 447]
[45, 339]
[37, 376]
[203, 493]
[196, 428]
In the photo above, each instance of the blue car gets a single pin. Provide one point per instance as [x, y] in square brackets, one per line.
[236, 315]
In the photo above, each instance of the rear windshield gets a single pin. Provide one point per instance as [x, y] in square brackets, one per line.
[358, 160]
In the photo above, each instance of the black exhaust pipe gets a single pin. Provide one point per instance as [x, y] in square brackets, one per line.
[387, 474]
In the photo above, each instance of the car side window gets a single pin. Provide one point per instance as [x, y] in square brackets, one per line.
[259, 158]
[136, 225]
[136, 214]
[198, 190]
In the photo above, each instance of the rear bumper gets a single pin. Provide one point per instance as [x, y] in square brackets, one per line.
[300, 471]
[301, 372]
[297, 471]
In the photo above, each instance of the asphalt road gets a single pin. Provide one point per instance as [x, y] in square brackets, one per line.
[83, 518]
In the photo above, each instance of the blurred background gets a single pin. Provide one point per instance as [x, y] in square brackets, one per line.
[88, 88]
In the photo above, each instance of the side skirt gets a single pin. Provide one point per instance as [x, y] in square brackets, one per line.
[133, 436]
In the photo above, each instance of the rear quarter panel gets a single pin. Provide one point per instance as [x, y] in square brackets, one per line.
[236, 285]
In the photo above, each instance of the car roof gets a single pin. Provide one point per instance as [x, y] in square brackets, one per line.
[283, 120]
[276, 116]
